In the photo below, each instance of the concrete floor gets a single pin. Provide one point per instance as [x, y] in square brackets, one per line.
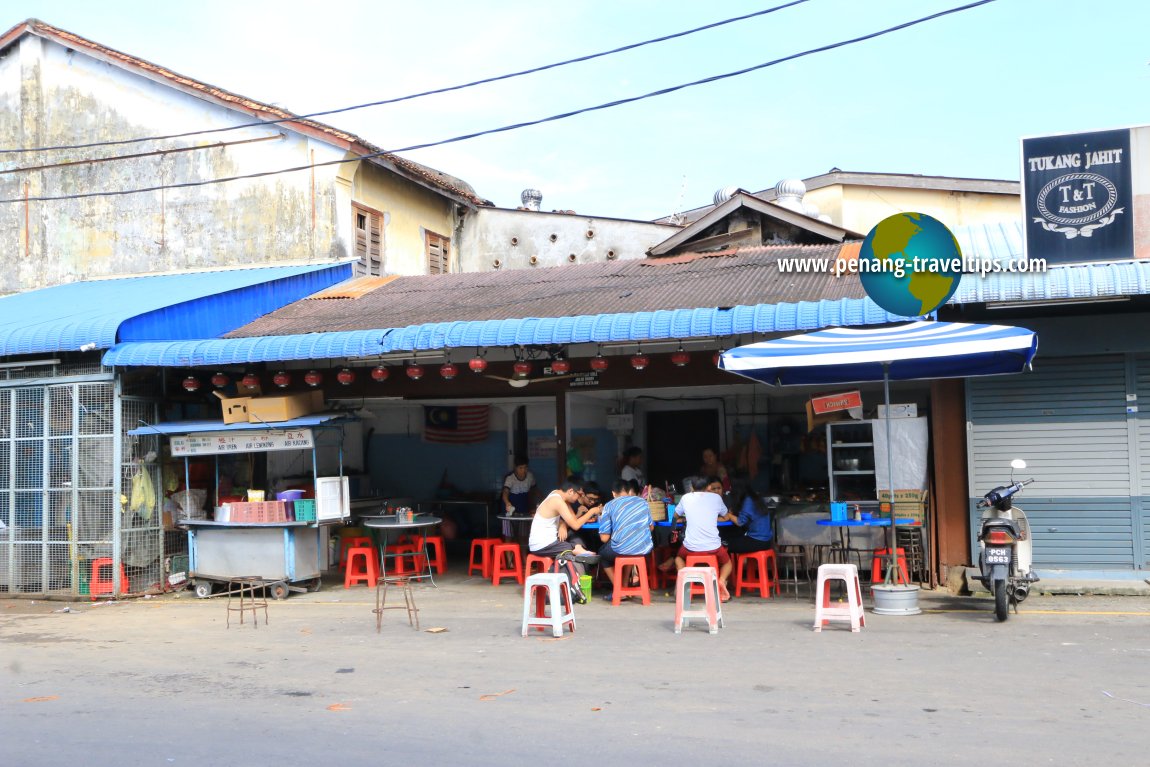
[162, 681]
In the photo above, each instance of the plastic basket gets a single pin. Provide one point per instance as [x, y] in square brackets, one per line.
[304, 510]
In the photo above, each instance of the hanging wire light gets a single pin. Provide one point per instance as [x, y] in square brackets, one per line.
[680, 358]
[414, 371]
[599, 363]
[346, 376]
[640, 361]
[448, 370]
[282, 379]
[191, 383]
[379, 374]
[313, 378]
[250, 381]
[220, 380]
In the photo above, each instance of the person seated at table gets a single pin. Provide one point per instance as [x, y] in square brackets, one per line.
[703, 509]
[553, 522]
[629, 465]
[754, 521]
[624, 527]
[713, 468]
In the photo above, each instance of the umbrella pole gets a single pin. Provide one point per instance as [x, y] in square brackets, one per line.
[892, 562]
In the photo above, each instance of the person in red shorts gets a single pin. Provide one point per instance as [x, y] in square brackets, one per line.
[703, 509]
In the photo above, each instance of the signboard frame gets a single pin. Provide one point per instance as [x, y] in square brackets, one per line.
[236, 442]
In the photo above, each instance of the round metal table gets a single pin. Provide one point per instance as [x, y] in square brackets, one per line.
[385, 523]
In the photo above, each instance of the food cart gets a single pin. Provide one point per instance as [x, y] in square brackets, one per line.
[270, 541]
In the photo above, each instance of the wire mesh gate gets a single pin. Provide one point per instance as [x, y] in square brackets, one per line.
[72, 525]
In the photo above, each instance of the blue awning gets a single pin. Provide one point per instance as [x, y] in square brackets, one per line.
[534, 331]
[97, 314]
[195, 427]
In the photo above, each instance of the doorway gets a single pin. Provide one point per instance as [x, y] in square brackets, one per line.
[675, 443]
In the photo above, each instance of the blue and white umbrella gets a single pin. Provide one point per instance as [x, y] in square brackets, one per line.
[908, 352]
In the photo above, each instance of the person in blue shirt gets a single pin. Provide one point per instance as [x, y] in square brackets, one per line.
[624, 527]
[755, 522]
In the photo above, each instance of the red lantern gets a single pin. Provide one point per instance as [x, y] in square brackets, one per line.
[640, 361]
[313, 378]
[282, 379]
[477, 364]
[191, 383]
[680, 358]
[448, 370]
[219, 380]
[346, 376]
[379, 373]
[522, 368]
[599, 363]
[250, 381]
[559, 367]
[415, 372]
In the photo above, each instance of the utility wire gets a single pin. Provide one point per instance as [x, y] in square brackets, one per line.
[516, 126]
[396, 100]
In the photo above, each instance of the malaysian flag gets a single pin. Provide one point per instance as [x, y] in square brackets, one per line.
[458, 425]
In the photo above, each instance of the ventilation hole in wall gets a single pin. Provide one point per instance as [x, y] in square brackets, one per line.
[611, 255]
[533, 260]
[514, 240]
[572, 258]
[554, 237]
[590, 233]
[497, 263]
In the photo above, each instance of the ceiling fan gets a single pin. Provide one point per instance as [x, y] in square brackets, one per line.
[519, 383]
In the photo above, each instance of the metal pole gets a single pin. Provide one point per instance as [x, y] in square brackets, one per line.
[892, 565]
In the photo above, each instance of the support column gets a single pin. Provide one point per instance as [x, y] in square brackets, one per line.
[561, 436]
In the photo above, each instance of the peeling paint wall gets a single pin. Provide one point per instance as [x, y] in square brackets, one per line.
[521, 239]
[51, 95]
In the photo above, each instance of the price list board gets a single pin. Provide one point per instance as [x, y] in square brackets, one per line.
[252, 442]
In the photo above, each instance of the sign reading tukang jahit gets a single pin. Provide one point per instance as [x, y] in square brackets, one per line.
[1078, 196]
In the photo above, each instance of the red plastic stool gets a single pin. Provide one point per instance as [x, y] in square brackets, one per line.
[643, 590]
[502, 568]
[406, 558]
[439, 557]
[878, 567]
[361, 566]
[701, 560]
[763, 579]
[659, 578]
[543, 562]
[351, 542]
[483, 547]
[98, 584]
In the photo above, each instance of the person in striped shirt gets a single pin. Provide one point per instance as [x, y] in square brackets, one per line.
[624, 526]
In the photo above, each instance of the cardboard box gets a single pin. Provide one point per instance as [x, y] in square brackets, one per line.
[907, 503]
[235, 408]
[283, 407]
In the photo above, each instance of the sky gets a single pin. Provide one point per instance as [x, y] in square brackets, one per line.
[950, 97]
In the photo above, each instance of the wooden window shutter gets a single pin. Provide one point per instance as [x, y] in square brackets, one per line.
[438, 251]
[368, 241]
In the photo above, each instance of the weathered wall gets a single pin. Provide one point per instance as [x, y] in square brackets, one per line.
[859, 208]
[409, 210]
[514, 237]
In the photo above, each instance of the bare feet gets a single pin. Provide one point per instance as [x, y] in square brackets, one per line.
[667, 566]
[724, 594]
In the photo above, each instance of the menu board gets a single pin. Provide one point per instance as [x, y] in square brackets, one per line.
[242, 442]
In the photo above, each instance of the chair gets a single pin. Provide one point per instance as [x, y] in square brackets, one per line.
[659, 578]
[702, 560]
[362, 565]
[244, 589]
[482, 547]
[878, 567]
[559, 616]
[438, 559]
[792, 570]
[406, 558]
[506, 562]
[101, 583]
[708, 579]
[537, 560]
[348, 537]
[381, 586]
[765, 577]
[643, 590]
[850, 611]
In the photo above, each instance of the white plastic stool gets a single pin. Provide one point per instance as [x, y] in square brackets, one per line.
[850, 611]
[557, 594]
[713, 606]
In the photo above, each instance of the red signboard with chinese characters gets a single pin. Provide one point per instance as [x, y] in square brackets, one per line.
[831, 403]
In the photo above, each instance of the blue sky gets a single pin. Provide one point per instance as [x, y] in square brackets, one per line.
[950, 97]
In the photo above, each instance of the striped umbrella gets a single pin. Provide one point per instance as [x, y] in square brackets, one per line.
[916, 350]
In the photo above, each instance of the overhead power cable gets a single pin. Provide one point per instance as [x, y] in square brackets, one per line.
[516, 126]
[398, 99]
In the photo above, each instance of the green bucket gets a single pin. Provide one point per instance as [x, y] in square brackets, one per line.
[585, 586]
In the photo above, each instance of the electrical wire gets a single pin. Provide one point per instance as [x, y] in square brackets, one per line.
[515, 126]
[410, 97]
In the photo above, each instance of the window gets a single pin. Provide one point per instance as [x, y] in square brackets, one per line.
[438, 250]
[368, 241]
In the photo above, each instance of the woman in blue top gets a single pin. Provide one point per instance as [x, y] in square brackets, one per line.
[755, 521]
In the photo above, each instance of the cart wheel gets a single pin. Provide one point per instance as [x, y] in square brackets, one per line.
[203, 589]
[279, 590]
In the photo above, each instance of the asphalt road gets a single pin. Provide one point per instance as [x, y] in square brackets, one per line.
[162, 682]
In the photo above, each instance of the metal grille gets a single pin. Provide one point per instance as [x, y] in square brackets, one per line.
[64, 530]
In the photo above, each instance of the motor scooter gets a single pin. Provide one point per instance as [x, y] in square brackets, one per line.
[1007, 550]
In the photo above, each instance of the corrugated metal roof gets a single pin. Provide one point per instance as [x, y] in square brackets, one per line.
[749, 278]
[1004, 242]
[99, 313]
[602, 328]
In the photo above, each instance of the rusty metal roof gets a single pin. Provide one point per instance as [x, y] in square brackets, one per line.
[743, 277]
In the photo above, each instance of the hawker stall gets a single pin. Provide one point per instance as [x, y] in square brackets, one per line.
[270, 512]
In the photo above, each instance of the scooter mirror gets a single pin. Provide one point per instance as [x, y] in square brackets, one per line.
[1018, 463]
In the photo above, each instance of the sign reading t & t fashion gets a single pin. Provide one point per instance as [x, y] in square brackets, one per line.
[1078, 195]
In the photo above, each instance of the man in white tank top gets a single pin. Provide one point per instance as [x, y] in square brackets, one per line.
[553, 521]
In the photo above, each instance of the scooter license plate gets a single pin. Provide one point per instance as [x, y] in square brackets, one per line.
[997, 556]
